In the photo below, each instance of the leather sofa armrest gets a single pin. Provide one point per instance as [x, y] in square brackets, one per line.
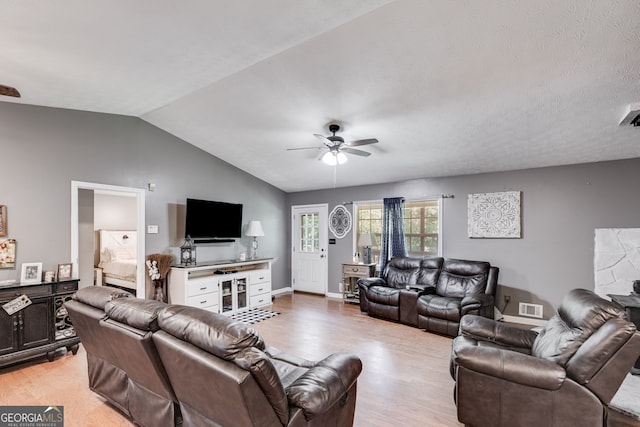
[364, 283]
[512, 366]
[483, 329]
[318, 389]
[475, 302]
[276, 354]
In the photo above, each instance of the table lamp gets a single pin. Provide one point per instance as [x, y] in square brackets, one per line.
[366, 241]
[254, 229]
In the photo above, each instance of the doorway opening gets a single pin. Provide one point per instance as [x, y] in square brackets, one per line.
[83, 233]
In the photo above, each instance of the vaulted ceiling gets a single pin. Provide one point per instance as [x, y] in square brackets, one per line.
[447, 87]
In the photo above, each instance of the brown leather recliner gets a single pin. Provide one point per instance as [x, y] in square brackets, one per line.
[431, 293]
[564, 375]
[388, 297]
[154, 361]
[224, 375]
[463, 287]
[124, 367]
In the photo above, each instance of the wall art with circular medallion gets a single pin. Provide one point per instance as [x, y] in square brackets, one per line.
[340, 221]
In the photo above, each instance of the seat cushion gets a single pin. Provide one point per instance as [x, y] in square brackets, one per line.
[439, 307]
[384, 295]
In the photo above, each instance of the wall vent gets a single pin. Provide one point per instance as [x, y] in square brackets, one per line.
[531, 310]
[631, 116]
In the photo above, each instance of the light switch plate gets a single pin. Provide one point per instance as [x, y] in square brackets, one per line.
[152, 229]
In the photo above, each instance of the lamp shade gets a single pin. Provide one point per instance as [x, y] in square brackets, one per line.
[254, 229]
[367, 240]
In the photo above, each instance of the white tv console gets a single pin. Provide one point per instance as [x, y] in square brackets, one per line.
[222, 287]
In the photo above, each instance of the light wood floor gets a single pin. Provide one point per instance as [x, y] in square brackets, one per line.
[404, 382]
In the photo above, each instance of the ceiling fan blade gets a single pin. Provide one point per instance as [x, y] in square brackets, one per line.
[305, 148]
[361, 142]
[326, 141]
[356, 152]
[9, 91]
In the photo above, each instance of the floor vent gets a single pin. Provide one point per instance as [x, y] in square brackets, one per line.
[531, 310]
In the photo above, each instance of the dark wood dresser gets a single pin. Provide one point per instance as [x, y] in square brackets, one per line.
[38, 329]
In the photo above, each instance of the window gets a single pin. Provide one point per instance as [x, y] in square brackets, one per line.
[309, 232]
[421, 226]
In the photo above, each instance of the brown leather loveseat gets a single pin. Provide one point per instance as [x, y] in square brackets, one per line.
[431, 293]
[169, 364]
[563, 375]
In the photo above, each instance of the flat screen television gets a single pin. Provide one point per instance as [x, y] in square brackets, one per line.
[210, 221]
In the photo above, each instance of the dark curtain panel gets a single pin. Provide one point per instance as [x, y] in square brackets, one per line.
[392, 231]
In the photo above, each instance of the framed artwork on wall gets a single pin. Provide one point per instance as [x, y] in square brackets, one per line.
[3, 220]
[494, 215]
[340, 221]
[8, 253]
[65, 271]
[31, 272]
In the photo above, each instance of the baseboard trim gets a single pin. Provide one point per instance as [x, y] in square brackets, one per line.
[333, 295]
[286, 290]
[523, 320]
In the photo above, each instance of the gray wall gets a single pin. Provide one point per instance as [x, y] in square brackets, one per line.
[561, 208]
[43, 149]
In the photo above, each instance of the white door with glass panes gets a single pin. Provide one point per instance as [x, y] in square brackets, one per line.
[309, 248]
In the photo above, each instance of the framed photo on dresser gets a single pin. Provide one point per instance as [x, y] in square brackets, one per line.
[65, 271]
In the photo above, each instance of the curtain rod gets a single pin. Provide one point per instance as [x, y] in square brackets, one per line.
[439, 196]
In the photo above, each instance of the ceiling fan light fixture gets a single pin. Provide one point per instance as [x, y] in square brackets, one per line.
[333, 158]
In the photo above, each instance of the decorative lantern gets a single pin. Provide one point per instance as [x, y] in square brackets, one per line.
[188, 252]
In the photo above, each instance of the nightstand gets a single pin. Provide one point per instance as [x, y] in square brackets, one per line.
[351, 272]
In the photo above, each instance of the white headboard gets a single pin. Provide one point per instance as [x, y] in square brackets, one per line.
[118, 239]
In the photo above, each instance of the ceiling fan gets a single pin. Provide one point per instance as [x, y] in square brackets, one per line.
[337, 147]
[9, 91]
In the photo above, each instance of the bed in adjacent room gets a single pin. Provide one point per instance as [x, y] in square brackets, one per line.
[118, 264]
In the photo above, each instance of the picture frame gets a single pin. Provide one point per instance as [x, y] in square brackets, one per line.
[8, 253]
[3, 220]
[31, 272]
[494, 215]
[65, 271]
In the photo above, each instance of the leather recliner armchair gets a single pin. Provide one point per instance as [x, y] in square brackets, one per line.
[165, 365]
[224, 375]
[116, 331]
[563, 375]
[463, 287]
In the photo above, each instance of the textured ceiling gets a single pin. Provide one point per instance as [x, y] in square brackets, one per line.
[448, 87]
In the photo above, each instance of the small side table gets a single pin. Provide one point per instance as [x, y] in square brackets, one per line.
[631, 304]
[351, 272]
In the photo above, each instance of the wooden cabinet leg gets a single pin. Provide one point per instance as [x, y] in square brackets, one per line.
[73, 349]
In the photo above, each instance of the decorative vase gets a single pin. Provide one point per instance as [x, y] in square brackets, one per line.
[159, 293]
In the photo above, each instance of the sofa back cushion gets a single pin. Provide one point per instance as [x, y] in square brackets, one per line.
[429, 271]
[460, 278]
[402, 271]
[212, 332]
[136, 312]
[580, 314]
[99, 296]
